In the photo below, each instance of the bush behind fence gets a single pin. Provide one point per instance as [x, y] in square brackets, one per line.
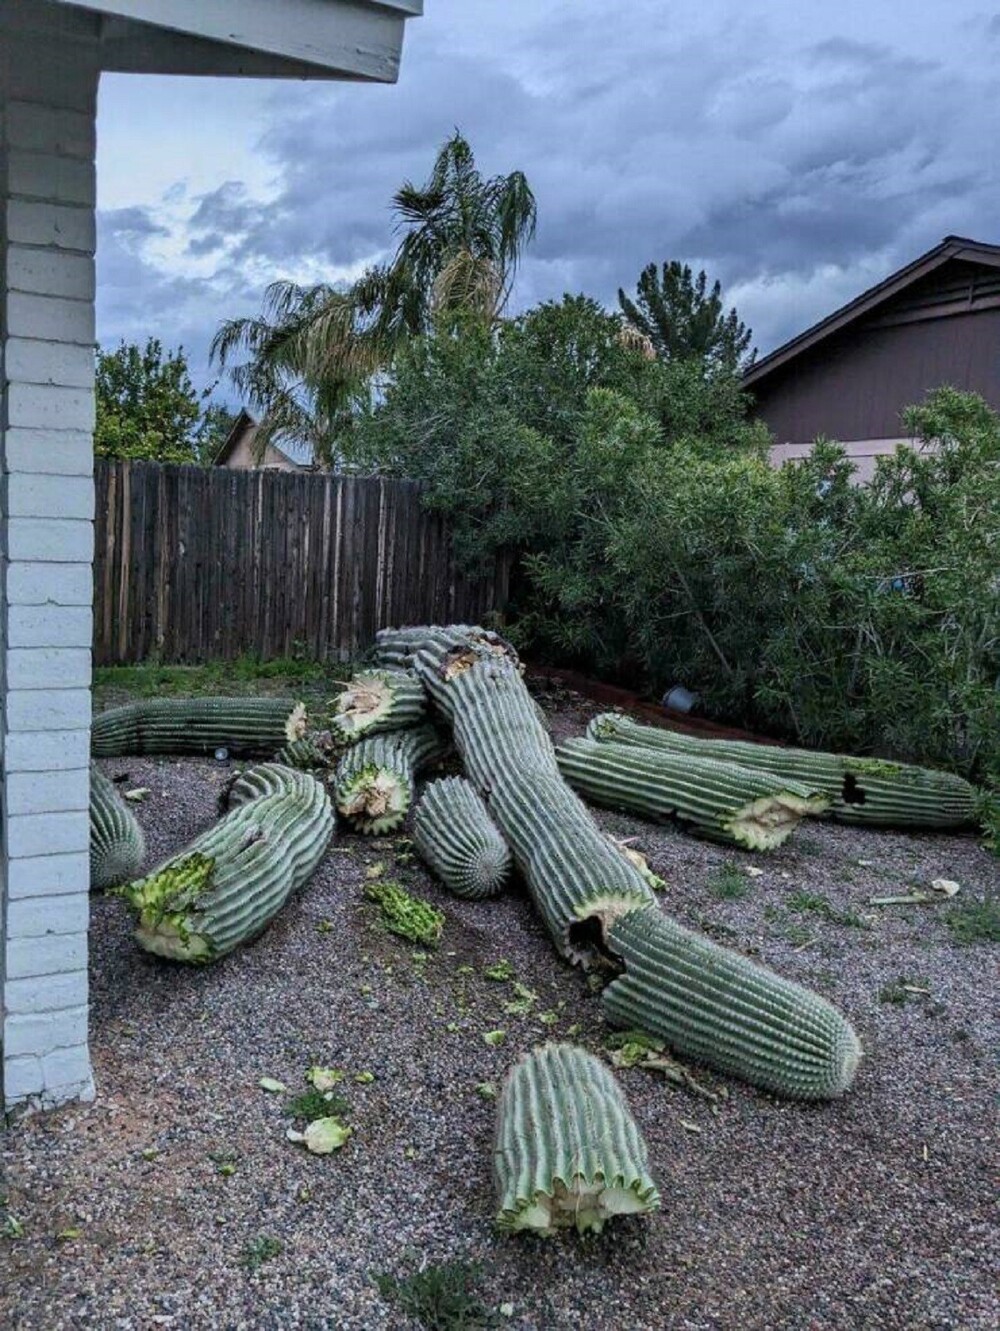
[196, 564]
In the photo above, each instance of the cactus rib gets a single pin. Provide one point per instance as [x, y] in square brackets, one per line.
[568, 1152]
[376, 778]
[454, 834]
[860, 790]
[117, 844]
[250, 726]
[721, 801]
[375, 701]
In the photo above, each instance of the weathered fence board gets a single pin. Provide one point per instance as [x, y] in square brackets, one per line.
[197, 564]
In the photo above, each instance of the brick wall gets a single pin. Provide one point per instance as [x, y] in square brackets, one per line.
[48, 87]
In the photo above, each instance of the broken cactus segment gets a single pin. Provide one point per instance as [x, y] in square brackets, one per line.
[376, 779]
[117, 845]
[243, 726]
[375, 701]
[456, 837]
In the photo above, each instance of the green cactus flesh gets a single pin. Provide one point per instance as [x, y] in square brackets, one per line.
[117, 845]
[709, 1003]
[229, 882]
[377, 700]
[406, 915]
[859, 790]
[460, 843]
[251, 726]
[376, 778]
[568, 1153]
[722, 801]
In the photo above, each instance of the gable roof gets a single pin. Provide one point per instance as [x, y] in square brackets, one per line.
[951, 248]
[299, 453]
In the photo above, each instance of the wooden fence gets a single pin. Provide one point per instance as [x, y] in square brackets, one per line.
[196, 564]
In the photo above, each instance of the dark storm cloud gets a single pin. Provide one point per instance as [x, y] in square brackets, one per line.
[795, 151]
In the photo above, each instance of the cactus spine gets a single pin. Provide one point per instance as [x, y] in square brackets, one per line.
[860, 790]
[710, 1003]
[721, 801]
[229, 882]
[460, 843]
[198, 725]
[377, 700]
[376, 778]
[568, 1151]
[117, 845]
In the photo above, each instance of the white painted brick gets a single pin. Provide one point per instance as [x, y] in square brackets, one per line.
[48, 875]
[50, 540]
[47, 751]
[55, 834]
[48, 668]
[53, 954]
[32, 917]
[46, 792]
[53, 319]
[50, 407]
[32, 496]
[22, 1078]
[50, 129]
[39, 175]
[49, 584]
[65, 226]
[54, 70]
[43, 1032]
[64, 1069]
[52, 453]
[47, 993]
[48, 709]
[36, 362]
[50, 625]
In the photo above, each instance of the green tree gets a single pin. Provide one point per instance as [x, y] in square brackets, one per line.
[147, 407]
[682, 319]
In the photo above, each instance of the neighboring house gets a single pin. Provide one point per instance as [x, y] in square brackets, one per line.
[52, 53]
[238, 450]
[849, 377]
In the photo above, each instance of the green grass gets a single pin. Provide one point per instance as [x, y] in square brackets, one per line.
[813, 903]
[245, 675]
[975, 921]
[903, 990]
[439, 1297]
[729, 883]
[260, 1250]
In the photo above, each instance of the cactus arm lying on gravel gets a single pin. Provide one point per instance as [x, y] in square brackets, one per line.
[229, 882]
[198, 725]
[709, 1003]
[455, 836]
[376, 779]
[377, 700]
[721, 801]
[860, 790]
[117, 845]
[568, 1152]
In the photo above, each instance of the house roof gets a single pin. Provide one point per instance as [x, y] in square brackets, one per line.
[300, 453]
[951, 248]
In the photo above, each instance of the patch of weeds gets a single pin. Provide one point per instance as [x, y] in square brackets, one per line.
[406, 915]
[807, 845]
[716, 930]
[773, 914]
[500, 971]
[816, 904]
[903, 990]
[225, 1162]
[797, 935]
[260, 1250]
[441, 1297]
[729, 883]
[314, 1104]
[975, 921]
[10, 1226]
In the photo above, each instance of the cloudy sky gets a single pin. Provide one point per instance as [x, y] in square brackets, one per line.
[798, 150]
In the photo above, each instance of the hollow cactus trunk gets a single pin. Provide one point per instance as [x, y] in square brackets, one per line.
[721, 801]
[117, 845]
[376, 779]
[376, 701]
[198, 725]
[460, 843]
[710, 1003]
[229, 882]
[568, 1152]
[859, 790]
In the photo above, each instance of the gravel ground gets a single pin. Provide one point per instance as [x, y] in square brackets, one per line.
[873, 1212]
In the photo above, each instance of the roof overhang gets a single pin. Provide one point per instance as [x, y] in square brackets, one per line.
[333, 39]
[952, 247]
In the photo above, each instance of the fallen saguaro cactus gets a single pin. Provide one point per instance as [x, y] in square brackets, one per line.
[859, 790]
[249, 726]
[720, 801]
[376, 779]
[593, 900]
[710, 1003]
[375, 701]
[229, 882]
[455, 835]
[117, 845]
[261, 780]
[568, 1152]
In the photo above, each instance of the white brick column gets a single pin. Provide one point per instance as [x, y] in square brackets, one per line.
[48, 91]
